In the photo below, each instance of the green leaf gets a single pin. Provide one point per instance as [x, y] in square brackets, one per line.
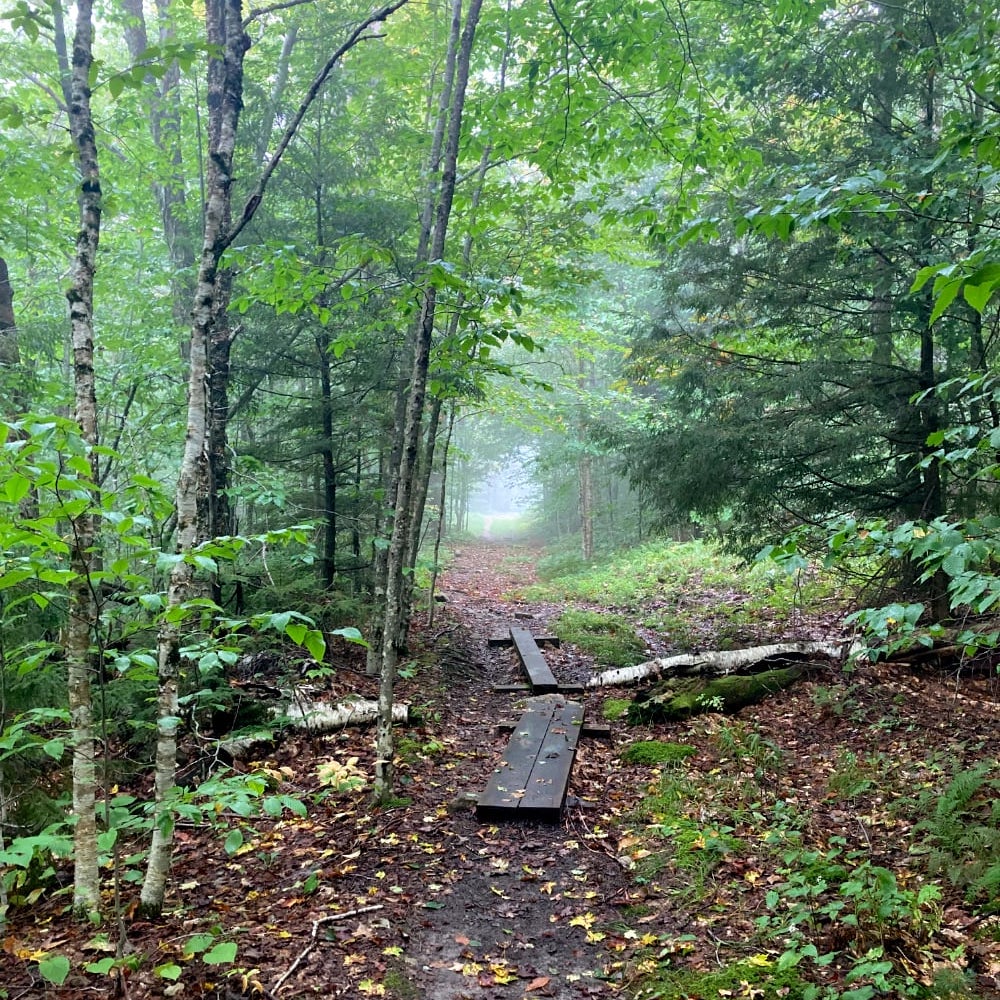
[206, 563]
[54, 969]
[316, 644]
[978, 296]
[169, 970]
[54, 748]
[17, 488]
[944, 293]
[296, 631]
[102, 967]
[234, 841]
[350, 634]
[224, 951]
[197, 943]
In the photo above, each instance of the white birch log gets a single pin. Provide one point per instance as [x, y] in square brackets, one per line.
[316, 717]
[320, 717]
[716, 662]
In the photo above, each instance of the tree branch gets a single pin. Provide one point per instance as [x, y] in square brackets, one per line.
[253, 202]
[329, 919]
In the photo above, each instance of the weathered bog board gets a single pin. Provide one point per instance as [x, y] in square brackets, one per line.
[539, 672]
[531, 779]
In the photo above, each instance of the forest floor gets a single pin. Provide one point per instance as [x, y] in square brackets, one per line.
[423, 901]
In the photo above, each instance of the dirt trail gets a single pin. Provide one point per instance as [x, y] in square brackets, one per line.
[524, 897]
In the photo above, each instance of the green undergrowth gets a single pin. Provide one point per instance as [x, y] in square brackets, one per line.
[663, 581]
[752, 978]
[610, 639]
[823, 912]
[613, 709]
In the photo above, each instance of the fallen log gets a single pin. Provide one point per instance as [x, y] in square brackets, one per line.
[719, 663]
[682, 697]
[320, 717]
[313, 717]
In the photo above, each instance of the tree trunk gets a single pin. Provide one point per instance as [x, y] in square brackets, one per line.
[82, 604]
[586, 472]
[208, 379]
[422, 484]
[328, 566]
[225, 81]
[10, 356]
[401, 528]
[165, 129]
[680, 698]
[381, 560]
[439, 532]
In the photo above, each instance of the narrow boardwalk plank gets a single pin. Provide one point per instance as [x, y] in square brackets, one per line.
[510, 777]
[542, 679]
[531, 780]
[546, 792]
[495, 641]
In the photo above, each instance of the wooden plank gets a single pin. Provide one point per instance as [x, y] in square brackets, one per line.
[546, 790]
[495, 641]
[539, 673]
[591, 730]
[510, 777]
[531, 780]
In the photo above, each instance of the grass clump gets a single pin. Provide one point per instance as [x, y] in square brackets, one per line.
[741, 979]
[614, 708]
[657, 752]
[610, 639]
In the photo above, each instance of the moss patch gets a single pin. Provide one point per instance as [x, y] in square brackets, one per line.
[610, 639]
[614, 708]
[687, 696]
[657, 752]
[733, 980]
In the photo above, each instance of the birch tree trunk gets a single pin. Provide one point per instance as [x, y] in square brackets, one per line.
[225, 89]
[82, 603]
[416, 394]
[207, 387]
[381, 560]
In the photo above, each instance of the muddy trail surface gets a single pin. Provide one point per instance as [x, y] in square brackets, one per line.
[526, 904]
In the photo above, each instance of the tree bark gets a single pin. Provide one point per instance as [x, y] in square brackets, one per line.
[328, 564]
[680, 698]
[586, 473]
[82, 603]
[225, 81]
[439, 532]
[14, 398]
[380, 568]
[210, 343]
[401, 528]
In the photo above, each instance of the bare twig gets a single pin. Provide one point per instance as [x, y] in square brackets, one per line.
[314, 937]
